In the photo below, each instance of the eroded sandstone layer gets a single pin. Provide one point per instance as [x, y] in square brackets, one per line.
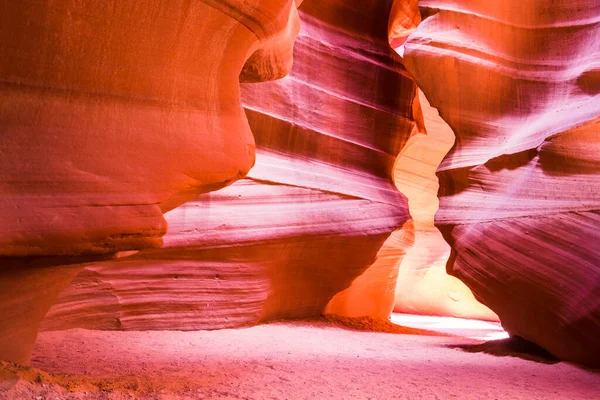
[520, 190]
[112, 113]
[311, 217]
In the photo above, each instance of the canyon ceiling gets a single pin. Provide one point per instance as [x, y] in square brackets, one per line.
[213, 164]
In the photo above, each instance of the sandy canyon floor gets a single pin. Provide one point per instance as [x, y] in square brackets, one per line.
[292, 360]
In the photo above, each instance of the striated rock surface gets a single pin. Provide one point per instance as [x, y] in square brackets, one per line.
[212, 274]
[310, 218]
[517, 81]
[112, 113]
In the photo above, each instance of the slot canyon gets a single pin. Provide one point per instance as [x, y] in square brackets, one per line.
[299, 199]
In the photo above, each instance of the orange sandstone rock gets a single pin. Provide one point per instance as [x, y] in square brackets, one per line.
[112, 113]
[310, 219]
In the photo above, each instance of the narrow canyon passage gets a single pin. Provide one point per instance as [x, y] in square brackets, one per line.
[299, 199]
[423, 285]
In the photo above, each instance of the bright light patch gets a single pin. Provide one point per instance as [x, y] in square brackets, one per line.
[474, 329]
[400, 50]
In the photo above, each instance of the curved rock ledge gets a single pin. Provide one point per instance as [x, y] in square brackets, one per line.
[112, 113]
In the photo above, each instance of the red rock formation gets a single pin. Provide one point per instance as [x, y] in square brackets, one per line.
[27, 291]
[518, 83]
[312, 215]
[112, 113]
[92, 75]
[404, 19]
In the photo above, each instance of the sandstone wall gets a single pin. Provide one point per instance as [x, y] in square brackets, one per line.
[517, 81]
[310, 218]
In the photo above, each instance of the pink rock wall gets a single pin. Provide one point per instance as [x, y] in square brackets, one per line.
[311, 216]
[518, 83]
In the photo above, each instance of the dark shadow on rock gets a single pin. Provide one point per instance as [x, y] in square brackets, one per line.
[514, 346]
